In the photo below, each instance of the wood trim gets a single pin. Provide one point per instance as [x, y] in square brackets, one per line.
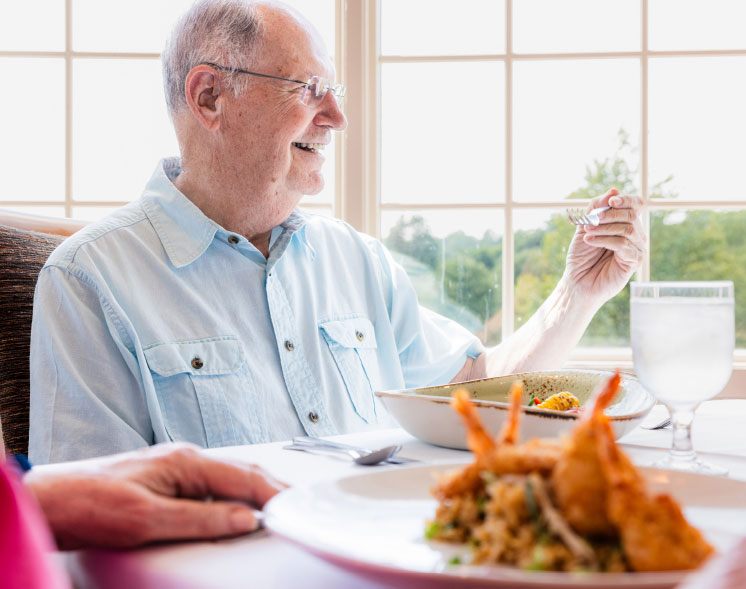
[40, 224]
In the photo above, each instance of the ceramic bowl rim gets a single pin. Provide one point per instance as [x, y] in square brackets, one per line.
[503, 406]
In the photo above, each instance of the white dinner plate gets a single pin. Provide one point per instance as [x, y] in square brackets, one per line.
[373, 523]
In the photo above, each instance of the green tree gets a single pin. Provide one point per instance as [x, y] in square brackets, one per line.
[460, 275]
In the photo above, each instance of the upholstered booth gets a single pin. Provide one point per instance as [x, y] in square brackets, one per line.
[25, 243]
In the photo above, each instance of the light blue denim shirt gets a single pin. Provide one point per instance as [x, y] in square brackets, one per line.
[156, 324]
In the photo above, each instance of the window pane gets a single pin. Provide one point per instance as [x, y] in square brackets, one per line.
[696, 24]
[324, 211]
[32, 26]
[439, 27]
[541, 240]
[442, 132]
[32, 150]
[42, 210]
[135, 25]
[108, 25]
[92, 213]
[576, 124]
[121, 127]
[454, 260]
[321, 14]
[549, 26]
[697, 126]
[702, 245]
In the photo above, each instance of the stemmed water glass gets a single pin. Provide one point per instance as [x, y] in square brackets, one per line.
[683, 336]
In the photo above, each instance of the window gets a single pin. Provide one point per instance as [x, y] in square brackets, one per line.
[472, 127]
[71, 64]
[495, 116]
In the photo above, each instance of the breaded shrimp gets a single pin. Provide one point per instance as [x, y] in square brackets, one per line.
[577, 481]
[501, 456]
[655, 535]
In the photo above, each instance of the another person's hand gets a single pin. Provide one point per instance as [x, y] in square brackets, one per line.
[602, 259]
[165, 492]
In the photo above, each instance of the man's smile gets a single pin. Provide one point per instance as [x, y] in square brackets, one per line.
[312, 147]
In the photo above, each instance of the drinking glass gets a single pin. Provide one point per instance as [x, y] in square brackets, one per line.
[683, 335]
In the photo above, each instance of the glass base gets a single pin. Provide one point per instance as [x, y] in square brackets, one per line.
[693, 465]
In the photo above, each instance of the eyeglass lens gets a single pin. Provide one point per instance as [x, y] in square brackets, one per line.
[316, 89]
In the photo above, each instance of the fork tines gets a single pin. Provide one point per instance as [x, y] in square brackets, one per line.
[577, 217]
[580, 217]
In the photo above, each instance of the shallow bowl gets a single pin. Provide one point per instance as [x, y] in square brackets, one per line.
[427, 415]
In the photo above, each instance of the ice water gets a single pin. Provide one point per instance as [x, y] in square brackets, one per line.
[682, 347]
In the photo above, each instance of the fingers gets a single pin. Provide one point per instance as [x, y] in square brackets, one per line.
[617, 201]
[182, 470]
[624, 250]
[181, 519]
[625, 201]
[245, 482]
[194, 475]
[620, 229]
[603, 200]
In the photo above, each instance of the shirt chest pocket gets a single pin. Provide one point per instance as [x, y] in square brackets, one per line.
[204, 390]
[352, 343]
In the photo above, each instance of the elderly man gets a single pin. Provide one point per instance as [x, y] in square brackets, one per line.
[212, 311]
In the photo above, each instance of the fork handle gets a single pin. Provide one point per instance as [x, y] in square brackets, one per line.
[311, 441]
[319, 449]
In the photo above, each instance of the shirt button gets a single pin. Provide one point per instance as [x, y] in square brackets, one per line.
[313, 416]
[232, 239]
[359, 335]
[197, 363]
[289, 346]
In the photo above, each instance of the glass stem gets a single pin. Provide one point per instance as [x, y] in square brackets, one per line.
[682, 449]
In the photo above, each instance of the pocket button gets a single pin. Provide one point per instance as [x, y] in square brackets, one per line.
[313, 416]
[359, 335]
[197, 363]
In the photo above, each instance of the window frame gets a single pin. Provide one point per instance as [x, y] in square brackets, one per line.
[360, 200]
[358, 158]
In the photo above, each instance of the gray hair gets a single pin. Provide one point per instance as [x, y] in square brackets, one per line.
[218, 31]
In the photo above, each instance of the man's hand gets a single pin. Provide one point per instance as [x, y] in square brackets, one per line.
[153, 494]
[602, 259]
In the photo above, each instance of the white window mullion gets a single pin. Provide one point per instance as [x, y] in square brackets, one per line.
[508, 254]
[68, 107]
[645, 268]
[356, 201]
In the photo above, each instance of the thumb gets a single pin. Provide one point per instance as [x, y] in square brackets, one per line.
[180, 519]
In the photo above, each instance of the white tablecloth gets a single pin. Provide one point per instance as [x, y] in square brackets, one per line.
[260, 560]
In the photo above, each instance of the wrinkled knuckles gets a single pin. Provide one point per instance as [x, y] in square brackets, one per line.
[181, 454]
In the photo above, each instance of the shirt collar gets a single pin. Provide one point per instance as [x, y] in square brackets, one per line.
[184, 230]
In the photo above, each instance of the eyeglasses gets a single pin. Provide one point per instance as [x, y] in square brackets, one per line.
[313, 91]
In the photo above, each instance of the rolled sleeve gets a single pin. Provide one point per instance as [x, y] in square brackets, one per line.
[432, 348]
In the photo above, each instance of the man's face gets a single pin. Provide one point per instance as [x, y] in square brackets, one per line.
[266, 127]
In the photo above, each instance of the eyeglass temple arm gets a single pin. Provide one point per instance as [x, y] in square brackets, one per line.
[229, 69]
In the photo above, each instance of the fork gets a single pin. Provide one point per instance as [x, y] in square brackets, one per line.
[579, 217]
[311, 441]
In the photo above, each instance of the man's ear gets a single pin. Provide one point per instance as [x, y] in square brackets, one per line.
[202, 93]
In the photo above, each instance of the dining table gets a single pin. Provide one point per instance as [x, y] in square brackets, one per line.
[262, 559]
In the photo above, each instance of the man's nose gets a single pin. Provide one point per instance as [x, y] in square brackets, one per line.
[331, 114]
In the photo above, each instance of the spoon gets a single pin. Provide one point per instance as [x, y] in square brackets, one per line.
[368, 458]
